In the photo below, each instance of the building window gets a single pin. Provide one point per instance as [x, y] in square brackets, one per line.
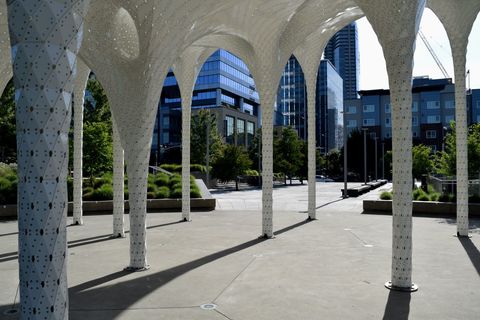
[250, 132]
[433, 119]
[478, 118]
[373, 135]
[229, 129]
[351, 110]
[248, 108]
[241, 132]
[166, 122]
[433, 147]
[369, 108]
[449, 104]
[478, 104]
[368, 122]
[415, 134]
[388, 123]
[433, 104]
[165, 138]
[415, 106]
[449, 119]
[388, 135]
[414, 121]
[351, 123]
[387, 108]
[431, 134]
[227, 99]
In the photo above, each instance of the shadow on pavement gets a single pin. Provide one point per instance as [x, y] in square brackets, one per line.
[472, 252]
[398, 306]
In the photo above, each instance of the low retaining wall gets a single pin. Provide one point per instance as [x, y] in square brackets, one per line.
[420, 208]
[106, 207]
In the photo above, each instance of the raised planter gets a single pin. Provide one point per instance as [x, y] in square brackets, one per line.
[206, 203]
[420, 208]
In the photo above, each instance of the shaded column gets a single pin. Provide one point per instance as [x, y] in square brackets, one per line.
[459, 52]
[186, 120]
[267, 99]
[118, 184]
[45, 39]
[398, 44]
[311, 144]
[78, 98]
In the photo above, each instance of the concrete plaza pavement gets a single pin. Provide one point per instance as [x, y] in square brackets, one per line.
[332, 268]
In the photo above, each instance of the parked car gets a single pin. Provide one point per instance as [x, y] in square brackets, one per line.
[322, 178]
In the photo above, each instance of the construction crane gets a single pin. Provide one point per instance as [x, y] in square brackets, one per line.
[434, 55]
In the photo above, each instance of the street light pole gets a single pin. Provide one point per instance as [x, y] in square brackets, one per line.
[345, 167]
[365, 154]
[383, 160]
[376, 159]
[207, 169]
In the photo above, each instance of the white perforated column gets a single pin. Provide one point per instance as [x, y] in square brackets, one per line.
[267, 102]
[312, 164]
[45, 38]
[398, 44]
[459, 51]
[186, 120]
[118, 184]
[136, 156]
[78, 98]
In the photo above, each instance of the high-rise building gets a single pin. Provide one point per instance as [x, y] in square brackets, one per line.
[290, 109]
[329, 107]
[225, 87]
[342, 51]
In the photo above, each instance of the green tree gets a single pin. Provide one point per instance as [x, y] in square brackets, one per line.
[334, 162]
[422, 162]
[287, 153]
[8, 138]
[96, 107]
[97, 149]
[254, 150]
[198, 137]
[447, 160]
[231, 163]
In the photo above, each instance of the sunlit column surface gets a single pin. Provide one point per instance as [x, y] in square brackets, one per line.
[45, 39]
[78, 98]
[118, 184]
[311, 82]
[267, 99]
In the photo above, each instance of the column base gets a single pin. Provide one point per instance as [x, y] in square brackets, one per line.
[117, 235]
[458, 235]
[77, 223]
[266, 236]
[137, 269]
[309, 218]
[412, 288]
[186, 220]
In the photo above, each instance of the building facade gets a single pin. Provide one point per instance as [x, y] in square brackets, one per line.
[433, 108]
[342, 51]
[225, 87]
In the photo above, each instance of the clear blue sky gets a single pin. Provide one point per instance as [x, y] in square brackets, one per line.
[373, 74]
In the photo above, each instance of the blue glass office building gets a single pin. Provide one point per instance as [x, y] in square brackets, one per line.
[226, 87]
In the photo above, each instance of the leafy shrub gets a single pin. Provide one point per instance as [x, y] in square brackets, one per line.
[70, 188]
[198, 167]
[447, 197]
[434, 196]
[162, 193]
[195, 192]
[161, 179]
[105, 192]
[151, 195]
[105, 179]
[8, 191]
[423, 197]
[171, 167]
[417, 193]
[176, 193]
[174, 179]
[251, 172]
[151, 187]
[385, 195]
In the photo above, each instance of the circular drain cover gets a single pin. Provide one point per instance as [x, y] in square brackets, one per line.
[208, 306]
[10, 312]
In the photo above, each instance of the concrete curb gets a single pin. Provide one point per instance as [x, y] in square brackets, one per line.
[420, 208]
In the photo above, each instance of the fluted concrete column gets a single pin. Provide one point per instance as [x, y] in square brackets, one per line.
[118, 184]
[459, 52]
[398, 44]
[267, 99]
[78, 98]
[45, 39]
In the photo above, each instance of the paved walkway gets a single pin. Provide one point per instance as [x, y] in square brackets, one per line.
[331, 268]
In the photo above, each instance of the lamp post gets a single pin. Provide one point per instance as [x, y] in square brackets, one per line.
[383, 160]
[376, 159]
[365, 154]
[207, 156]
[345, 162]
